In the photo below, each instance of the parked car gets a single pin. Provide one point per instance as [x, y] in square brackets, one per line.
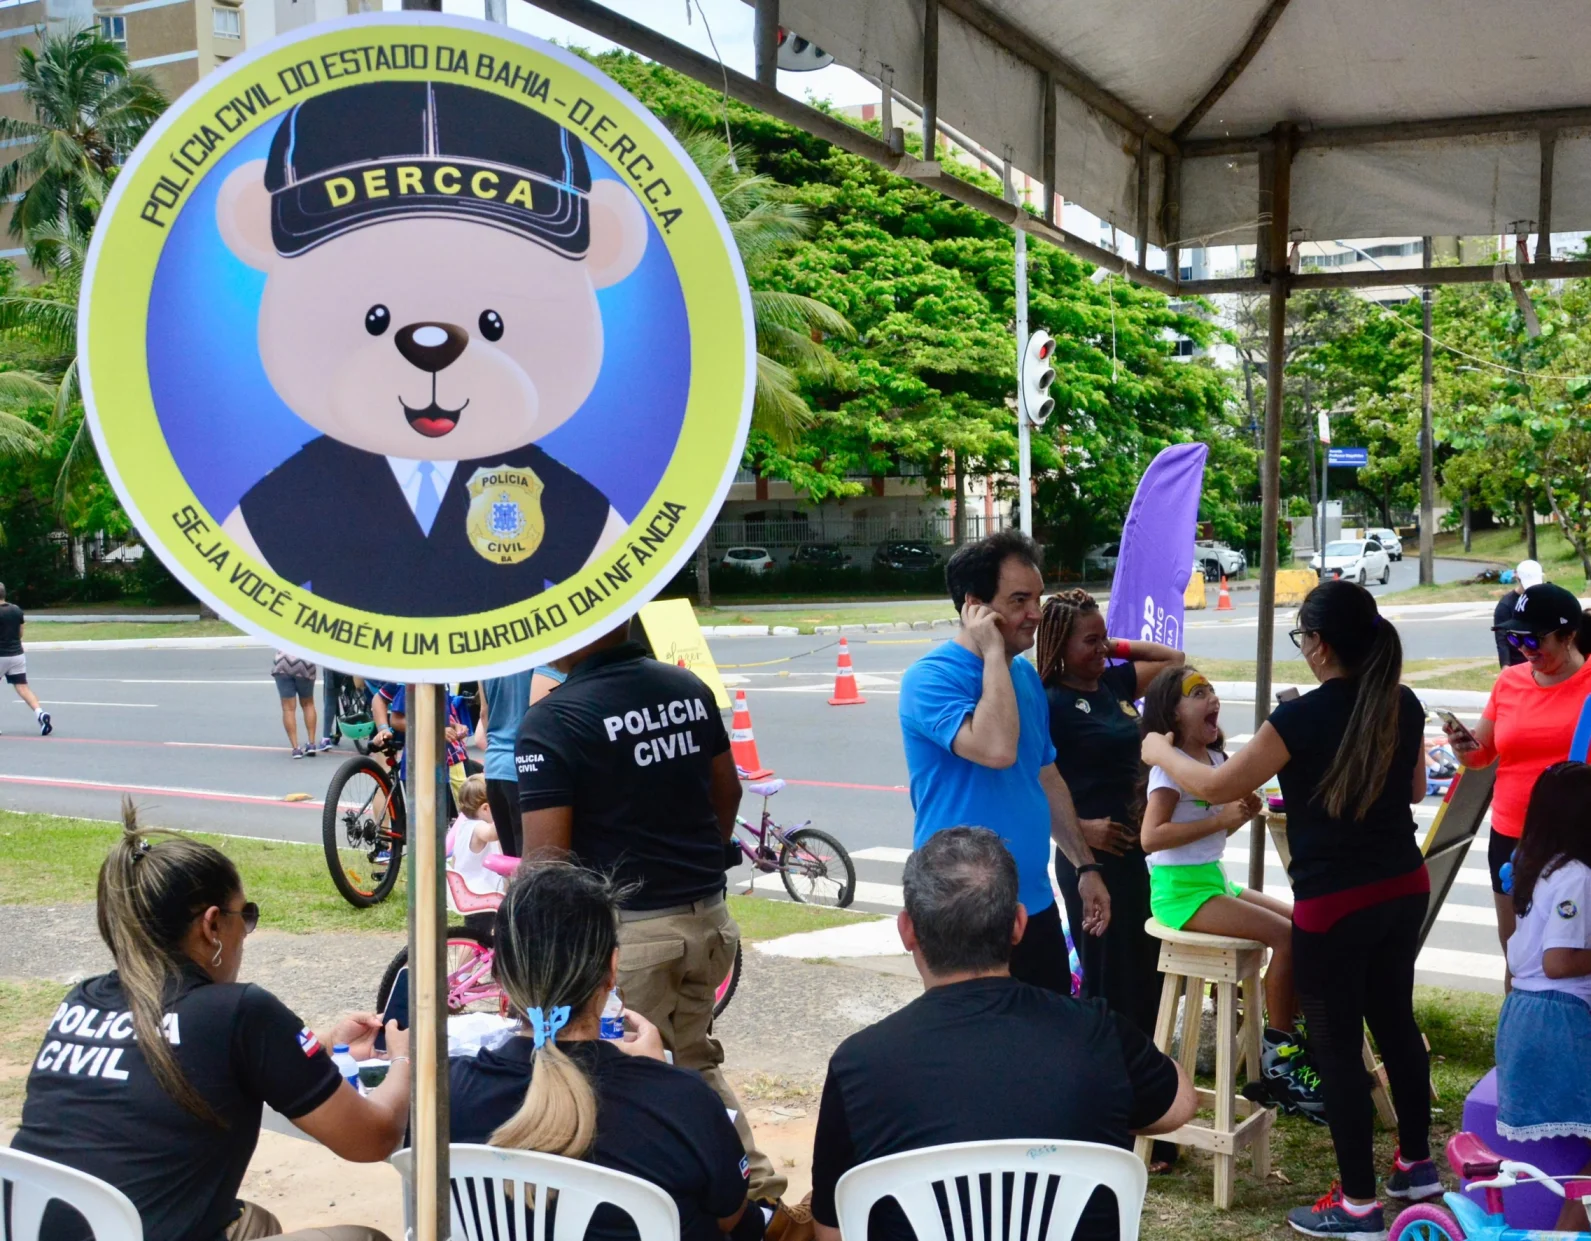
[748, 559]
[905, 557]
[821, 556]
[1358, 560]
[1389, 540]
[1217, 558]
[1101, 561]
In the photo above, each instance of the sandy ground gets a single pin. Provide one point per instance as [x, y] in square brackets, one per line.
[785, 1019]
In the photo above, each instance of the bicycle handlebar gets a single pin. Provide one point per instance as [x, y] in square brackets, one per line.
[1510, 1172]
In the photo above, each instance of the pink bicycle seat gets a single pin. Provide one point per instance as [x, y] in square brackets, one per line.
[467, 901]
[500, 863]
[1471, 1158]
[766, 788]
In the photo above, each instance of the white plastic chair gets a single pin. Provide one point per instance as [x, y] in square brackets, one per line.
[491, 1186]
[971, 1173]
[35, 1182]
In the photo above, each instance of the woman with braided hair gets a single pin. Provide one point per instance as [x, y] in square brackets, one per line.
[1094, 726]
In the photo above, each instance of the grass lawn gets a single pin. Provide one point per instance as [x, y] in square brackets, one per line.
[45, 860]
[44, 631]
[1477, 674]
[1460, 1027]
[807, 619]
[1505, 546]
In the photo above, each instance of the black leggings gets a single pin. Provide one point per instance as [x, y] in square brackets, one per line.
[1121, 967]
[1040, 958]
[503, 797]
[1362, 970]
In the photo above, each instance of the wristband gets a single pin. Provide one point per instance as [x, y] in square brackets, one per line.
[1121, 649]
[1090, 868]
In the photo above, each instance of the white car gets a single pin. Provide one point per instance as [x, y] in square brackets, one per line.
[1389, 540]
[1216, 559]
[1356, 560]
[1100, 562]
[748, 559]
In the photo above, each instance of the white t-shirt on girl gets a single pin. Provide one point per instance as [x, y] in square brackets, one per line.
[1559, 917]
[1189, 809]
[471, 863]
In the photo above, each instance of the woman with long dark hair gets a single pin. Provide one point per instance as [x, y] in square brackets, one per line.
[556, 1086]
[1351, 762]
[1544, 1033]
[153, 1077]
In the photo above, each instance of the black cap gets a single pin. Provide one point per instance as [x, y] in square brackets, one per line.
[1543, 609]
[354, 156]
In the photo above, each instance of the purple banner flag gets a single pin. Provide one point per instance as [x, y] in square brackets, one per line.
[1156, 555]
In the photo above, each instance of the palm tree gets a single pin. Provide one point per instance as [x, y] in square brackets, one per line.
[765, 222]
[90, 109]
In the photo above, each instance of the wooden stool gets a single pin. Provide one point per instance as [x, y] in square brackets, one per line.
[1191, 960]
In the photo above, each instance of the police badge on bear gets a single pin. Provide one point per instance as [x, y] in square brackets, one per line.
[348, 345]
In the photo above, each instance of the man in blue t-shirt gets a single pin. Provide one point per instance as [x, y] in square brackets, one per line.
[977, 730]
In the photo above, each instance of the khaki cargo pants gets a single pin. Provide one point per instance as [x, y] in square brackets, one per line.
[669, 970]
[258, 1224]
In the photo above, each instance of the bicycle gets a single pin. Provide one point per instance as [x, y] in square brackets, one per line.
[363, 824]
[1464, 1219]
[468, 953]
[814, 866]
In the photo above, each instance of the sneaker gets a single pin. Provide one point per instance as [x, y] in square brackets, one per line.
[45, 726]
[1332, 1217]
[1413, 1182]
[1289, 1078]
[298, 751]
[310, 749]
[327, 743]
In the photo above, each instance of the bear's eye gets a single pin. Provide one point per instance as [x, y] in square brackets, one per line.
[377, 320]
[491, 325]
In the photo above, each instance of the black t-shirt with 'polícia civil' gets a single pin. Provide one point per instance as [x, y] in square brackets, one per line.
[10, 629]
[93, 1104]
[1097, 743]
[981, 1060]
[662, 1124]
[628, 742]
[1332, 854]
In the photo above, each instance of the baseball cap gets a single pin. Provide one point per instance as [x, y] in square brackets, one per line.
[1546, 608]
[356, 156]
[1529, 573]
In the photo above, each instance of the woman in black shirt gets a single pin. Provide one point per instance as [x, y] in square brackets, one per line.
[153, 1077]
[1095, 729]
[1351, 762]
[556, 1086]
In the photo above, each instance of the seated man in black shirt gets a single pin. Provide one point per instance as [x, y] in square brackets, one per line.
[981, 1056]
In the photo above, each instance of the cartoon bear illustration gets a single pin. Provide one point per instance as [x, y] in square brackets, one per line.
[432, 256]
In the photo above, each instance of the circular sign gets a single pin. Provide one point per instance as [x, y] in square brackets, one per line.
[417, 346]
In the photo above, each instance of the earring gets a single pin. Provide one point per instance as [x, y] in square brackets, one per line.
[216, 960]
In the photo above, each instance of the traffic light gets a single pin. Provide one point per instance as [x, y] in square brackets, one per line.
[1036, 377]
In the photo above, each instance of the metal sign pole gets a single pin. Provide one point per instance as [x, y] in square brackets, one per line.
[1024, 432]
[428, 1106]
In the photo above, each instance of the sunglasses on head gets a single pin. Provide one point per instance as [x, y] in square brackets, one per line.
[1523, 641]
[250, 913]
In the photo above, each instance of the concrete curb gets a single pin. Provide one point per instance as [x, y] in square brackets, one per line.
[240, 641]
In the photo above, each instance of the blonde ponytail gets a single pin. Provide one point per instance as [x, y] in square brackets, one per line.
[556, 932]
[151, 887]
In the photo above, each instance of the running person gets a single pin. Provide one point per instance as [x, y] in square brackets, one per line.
[14, 664]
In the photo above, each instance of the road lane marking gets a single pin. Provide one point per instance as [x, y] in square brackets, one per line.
[69, 702]
[841, 784]
[164, 790]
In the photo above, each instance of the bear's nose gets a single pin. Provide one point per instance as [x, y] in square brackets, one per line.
[431, 346]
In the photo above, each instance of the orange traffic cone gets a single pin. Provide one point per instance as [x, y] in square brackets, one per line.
[1224, 603]
[743, 744]
[845, 694]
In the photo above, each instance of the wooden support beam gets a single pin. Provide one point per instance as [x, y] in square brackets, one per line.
[1250, 49]
[765, 40]
[1561, 269]
[1171, 216]
[930, 78]
[1047, 145]
[1142, 225]
[1396, 131]
[1549, 147]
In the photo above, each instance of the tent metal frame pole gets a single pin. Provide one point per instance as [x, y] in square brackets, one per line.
[1141, 227]
[1398, 277]
[1171, 216]
[1280, 194]
[1427, 446]
[1052, 212]
[603, 21]
[1250, 49]
[1549, 148]
[1397, 131]
[765, 39]
[930, 106]
[1024, 430]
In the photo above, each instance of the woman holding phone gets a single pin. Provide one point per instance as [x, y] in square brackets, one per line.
[1529, 721]
[1095, 729]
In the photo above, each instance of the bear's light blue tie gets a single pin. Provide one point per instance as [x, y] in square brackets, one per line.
[428, 501]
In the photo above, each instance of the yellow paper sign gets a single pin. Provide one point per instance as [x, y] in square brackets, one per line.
[417, 346]
[677, 638]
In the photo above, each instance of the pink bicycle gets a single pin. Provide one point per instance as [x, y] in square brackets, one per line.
[1463, 1219]
[468, 955]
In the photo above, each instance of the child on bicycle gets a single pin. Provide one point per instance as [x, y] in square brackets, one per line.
[1189, 888]
[474, 837]
[1544, 1032]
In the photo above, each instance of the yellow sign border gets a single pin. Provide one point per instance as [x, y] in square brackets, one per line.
[112, 341]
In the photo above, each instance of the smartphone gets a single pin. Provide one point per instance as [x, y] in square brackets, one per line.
[1288, 694]
[1452, 721]
[397, 1009]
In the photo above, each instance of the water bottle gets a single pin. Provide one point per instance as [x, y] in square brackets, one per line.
[613, 1017]
[346, 1065]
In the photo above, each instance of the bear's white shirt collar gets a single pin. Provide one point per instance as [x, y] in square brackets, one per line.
[407, 471]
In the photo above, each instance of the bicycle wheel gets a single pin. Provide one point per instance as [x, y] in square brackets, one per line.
[726, 989]
[816, 869]
[470, 986]
[1425, 1222]
[361, 827]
